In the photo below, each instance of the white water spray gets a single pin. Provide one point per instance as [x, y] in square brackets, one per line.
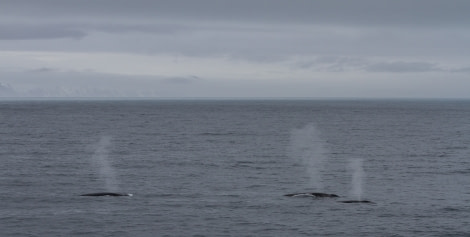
[357, 178]
[307, 147]
[101, 163]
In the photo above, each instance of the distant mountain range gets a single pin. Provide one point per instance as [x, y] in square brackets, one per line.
[7, 90]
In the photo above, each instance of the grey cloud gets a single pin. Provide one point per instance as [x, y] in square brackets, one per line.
[254, 43]
[355, 64]
[366, 12]
[38, 31]
[462, 69]
[307, 27]
[155, 28]
[182, 80]
[404, 67]
[79, 30]
[332, 63]
[42, 69]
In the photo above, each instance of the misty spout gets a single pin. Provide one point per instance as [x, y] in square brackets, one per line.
[101, 163]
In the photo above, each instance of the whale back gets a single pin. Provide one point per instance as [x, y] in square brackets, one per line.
[100, 194]
[315, 195]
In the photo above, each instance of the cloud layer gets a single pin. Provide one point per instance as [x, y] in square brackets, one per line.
[265, 47]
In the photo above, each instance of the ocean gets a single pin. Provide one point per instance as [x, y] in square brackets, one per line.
[222, 167]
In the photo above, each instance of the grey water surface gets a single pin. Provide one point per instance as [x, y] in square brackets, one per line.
[222, 167]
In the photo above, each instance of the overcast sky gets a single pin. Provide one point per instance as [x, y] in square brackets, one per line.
[242, 48]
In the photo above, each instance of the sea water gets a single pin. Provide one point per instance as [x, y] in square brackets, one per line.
[222, 167]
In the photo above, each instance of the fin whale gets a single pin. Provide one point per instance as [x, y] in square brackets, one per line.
[326, 195]
[100, 194]
[357, 201]
[315, 195]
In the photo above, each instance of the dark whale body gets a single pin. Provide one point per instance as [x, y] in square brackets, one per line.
[315, 195]
[356, 201]
[106, 194]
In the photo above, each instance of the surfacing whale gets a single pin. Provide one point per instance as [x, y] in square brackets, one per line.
[357, 201]
[315, 195]
[106, 194]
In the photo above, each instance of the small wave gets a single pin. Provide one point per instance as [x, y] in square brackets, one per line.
[464, 171]
[456, 148]
[453, 209]
[225, 134]
[214, 134]
[253, 186]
